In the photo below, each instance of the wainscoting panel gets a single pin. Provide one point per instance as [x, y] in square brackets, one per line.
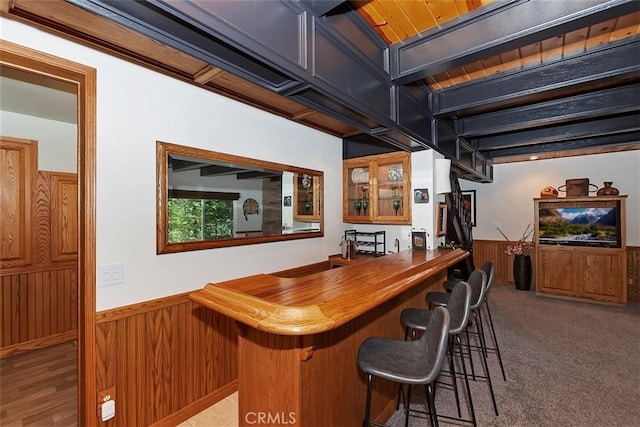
[163, 356]
[36, 305]
[495, 250]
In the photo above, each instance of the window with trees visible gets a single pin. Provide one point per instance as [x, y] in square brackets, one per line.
[199, 216]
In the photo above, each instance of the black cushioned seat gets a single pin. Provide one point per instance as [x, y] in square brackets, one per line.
[407, 362]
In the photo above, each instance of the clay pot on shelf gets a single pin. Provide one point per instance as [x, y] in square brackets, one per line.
[608, 190]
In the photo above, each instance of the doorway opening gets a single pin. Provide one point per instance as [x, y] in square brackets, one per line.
[19, 58]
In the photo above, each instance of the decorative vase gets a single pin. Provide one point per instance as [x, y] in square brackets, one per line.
[608, 190]
[308, 206]
[522, 272]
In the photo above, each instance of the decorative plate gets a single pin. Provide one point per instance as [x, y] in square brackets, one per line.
[250, 207]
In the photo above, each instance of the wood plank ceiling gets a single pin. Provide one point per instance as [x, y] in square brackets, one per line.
[397, 21]
[547, 120]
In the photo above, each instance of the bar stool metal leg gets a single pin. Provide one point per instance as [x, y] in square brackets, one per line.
[495, 337]
[367, 409]
[466, 379]
[484, 359]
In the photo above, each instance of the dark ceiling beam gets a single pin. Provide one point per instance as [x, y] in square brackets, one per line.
[615, 62]
[601, 103]
[497, 28]
[574, 144]
[218, 170]
[610, 125]
[321, 7]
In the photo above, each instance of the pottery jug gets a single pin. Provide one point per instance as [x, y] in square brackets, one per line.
[608, 190]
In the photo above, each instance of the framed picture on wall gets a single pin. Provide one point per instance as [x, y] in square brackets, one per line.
[421, 195]
[441, 220]
[469, 197]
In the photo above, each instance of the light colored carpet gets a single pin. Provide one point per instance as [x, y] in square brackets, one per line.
[567, 364]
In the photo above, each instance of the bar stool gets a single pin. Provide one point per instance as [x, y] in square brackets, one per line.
[440, 299]
[459, 307]
[489, 268]
[407, 362]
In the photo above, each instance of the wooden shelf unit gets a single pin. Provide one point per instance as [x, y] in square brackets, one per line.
[373, 243]
[591, 273]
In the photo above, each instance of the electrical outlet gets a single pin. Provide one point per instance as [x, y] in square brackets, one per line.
[105, 396]
[108, 394]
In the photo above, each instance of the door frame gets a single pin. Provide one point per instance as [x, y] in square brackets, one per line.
[20, 57]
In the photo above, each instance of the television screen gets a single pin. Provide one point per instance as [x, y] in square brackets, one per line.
[579, 226]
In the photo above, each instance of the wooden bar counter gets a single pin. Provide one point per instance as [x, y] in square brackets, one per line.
[299, 336]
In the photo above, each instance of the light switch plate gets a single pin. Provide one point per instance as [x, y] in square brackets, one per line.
[109, 275]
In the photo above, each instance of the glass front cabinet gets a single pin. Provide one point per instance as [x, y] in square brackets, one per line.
[376, 189]
[306, 198]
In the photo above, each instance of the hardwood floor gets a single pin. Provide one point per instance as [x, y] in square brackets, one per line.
[39, 388]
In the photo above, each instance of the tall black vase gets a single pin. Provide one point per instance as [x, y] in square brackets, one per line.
[522, 272]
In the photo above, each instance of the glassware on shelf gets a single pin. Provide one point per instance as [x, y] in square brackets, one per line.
[396, 205]
[308, 206]
[365, 206]
[358, 205]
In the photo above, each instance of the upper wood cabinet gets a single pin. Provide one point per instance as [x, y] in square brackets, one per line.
[64, 216]
[377, 189]
[307, 194]
[18, 168]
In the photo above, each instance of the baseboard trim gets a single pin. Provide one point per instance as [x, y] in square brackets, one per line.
[23, 347]
[197, 406]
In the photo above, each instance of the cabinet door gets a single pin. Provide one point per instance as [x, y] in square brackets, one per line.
[64, 216]
[306, 198]
[392, 178]
[18, 167]
[600, 275]
[555, 271]
[356, 192]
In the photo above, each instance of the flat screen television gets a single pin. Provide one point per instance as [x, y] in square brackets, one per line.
[576, 225]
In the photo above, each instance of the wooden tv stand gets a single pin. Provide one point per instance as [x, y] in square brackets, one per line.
[586, 273]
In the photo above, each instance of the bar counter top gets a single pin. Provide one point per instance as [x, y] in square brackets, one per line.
[324, 300]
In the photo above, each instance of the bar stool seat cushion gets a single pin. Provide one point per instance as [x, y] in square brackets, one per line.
[450, 284]
[415, 318]
[438, 298]
[400, 361]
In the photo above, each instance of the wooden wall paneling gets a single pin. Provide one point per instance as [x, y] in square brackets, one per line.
[495, 251]
[167, 358]
[64, 216]
[38, 309]
[18, 166]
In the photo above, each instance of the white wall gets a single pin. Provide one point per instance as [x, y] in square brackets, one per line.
[509, 199]
[136, 107]
[57, 141]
